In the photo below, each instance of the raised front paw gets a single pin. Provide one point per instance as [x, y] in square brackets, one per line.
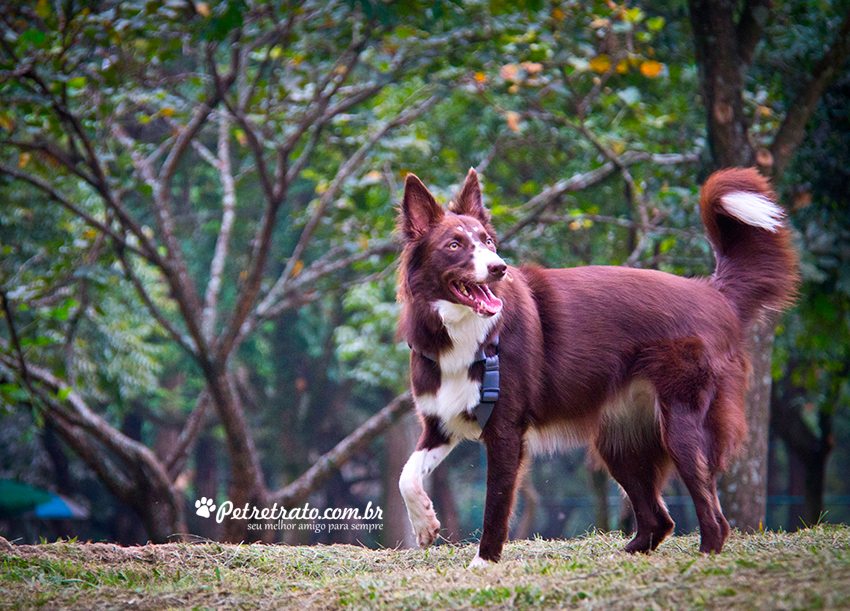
[427, 530]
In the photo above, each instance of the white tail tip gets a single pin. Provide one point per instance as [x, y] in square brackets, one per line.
[753, 209]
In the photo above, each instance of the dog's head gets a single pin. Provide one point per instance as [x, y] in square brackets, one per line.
[449, 255]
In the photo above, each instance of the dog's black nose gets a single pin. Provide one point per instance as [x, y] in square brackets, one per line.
[497, 270]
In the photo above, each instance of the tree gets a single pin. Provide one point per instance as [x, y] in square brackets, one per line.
[198, 230]
[108, 150]
[726, 44]
[810, 391]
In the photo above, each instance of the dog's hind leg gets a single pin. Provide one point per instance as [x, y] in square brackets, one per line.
[688, 444]
[432, 448]
[686, 383]
[640, 466]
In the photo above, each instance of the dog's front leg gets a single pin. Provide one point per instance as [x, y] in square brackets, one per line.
[433, 447]
[504, 458]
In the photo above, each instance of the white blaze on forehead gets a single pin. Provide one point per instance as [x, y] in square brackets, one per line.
[482, 259]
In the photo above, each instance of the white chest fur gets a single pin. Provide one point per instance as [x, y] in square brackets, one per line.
[467, 331]
[457, 393]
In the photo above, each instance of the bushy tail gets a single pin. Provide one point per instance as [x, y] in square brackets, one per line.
[757, 267]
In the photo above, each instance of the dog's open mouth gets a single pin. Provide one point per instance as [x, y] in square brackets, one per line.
[479, 297]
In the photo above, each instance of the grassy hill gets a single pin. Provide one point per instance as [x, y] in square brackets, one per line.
[805, 570]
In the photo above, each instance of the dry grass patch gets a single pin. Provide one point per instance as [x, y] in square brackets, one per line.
[805, 570]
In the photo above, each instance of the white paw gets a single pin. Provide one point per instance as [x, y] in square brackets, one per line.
[426, 526]
[477, 562]
[420, 510]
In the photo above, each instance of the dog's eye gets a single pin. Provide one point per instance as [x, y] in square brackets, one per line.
[454, 246]
[489, 242]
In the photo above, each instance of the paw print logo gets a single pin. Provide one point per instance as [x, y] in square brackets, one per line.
[204, 507]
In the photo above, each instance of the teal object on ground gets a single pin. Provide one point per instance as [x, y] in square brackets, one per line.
[17, 498]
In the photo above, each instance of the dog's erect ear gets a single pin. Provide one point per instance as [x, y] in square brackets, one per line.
[419, 210]
[469, 200]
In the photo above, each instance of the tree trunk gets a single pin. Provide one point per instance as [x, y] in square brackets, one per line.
[531, 501]
[808, 451]
[602, 514]
[743, 488]
[445, 504]
[399, 442]
[724, 50]
[206, 483]
[721, 76]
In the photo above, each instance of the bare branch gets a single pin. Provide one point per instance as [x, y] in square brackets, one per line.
[65, 158]
[176, 460]
[173, 268]
[181, 143]
[335, 77]
[793, 128]
[329, 463]
[205, 153]
[13, 336]
[186, 343]
[318, 269]
[233, 330]
[227, 218]
[82, 415]
[750, 29]
[107, 472]
[621, 222]
[65, 203]
[538, 204]
[336, 184]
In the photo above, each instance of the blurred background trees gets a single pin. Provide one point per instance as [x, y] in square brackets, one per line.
[197, 268]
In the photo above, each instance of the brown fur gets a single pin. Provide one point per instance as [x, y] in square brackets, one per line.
[572, 341]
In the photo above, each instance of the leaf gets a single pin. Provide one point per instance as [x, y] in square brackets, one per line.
[23, 160]
[651, 68]
[531, 67]
[371, 178]
[42, 9]
[630, 95]
[78, 82]
[512, 119]
[509, 72]
[231, 19]
[600, 63]
[32, 36]
[655, 23]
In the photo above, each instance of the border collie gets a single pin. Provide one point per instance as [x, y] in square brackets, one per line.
[646, 368]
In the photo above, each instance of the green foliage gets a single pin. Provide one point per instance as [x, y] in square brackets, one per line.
[366, 347]
[531, 93]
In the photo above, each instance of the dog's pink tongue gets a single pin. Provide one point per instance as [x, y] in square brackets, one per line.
[488, 303]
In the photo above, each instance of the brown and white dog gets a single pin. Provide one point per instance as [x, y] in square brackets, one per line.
[647, 368]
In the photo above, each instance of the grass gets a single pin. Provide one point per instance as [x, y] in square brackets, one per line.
[809, 569]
